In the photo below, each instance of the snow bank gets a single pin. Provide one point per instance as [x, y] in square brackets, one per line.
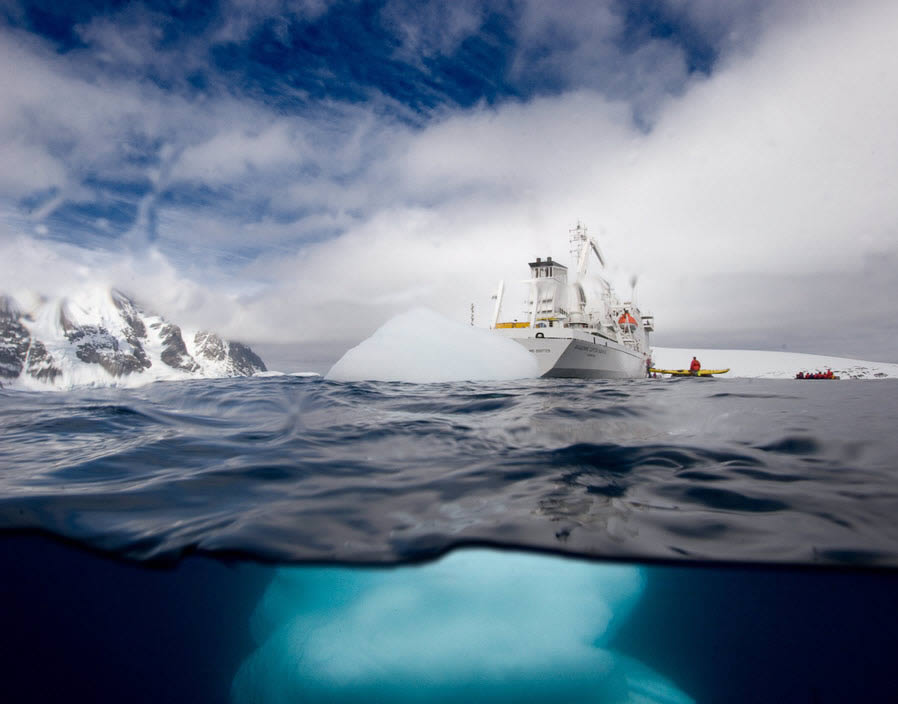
[771, 365]
[422, 346]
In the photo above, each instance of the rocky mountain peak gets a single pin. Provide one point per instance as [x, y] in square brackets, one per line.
[102, 336]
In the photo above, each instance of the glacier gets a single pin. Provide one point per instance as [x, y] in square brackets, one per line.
[477, 625]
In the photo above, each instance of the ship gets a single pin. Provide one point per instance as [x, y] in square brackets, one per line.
[578, 327]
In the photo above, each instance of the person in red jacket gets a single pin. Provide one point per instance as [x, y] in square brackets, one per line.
[695, 366]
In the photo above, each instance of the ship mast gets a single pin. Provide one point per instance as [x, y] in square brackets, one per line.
[581, 243]
[577, 241]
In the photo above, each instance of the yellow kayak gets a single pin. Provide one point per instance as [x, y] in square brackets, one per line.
[686, 372]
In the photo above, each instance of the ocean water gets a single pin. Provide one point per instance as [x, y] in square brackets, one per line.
[293, 539]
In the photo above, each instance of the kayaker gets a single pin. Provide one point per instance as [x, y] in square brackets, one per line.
[695, 366]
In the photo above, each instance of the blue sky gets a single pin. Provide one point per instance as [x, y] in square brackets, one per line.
[289, 172]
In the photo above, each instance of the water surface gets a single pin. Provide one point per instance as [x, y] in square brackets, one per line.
[293, 469]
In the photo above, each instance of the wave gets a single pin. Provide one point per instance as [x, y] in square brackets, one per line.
[299, 469]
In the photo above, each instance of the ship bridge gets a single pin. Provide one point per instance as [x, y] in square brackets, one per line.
[548, 280]
[548, 269]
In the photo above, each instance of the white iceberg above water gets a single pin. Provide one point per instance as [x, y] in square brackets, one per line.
[421, 346]
[759, 364]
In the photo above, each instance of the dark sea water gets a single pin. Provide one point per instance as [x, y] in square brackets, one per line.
[291, 539]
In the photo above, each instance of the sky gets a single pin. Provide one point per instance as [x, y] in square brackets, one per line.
[293, 173]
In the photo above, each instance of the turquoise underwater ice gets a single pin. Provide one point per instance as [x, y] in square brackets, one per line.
[477, 625]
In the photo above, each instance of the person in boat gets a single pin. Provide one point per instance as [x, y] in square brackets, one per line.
[800, 375]
[695, 366]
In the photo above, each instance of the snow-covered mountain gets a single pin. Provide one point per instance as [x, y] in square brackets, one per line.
[758, 364]
[100, 337]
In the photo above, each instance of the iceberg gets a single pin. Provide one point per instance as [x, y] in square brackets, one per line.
[478, 625]
[422, 346]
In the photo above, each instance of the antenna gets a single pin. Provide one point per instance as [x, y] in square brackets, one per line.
[578, 239]
[472, 315]
[498, 299]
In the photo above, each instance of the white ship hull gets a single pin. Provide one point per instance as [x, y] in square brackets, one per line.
[578, 328]
[564, 352]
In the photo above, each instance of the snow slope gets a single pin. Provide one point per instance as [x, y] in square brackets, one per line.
[756, 364]
[100, 337]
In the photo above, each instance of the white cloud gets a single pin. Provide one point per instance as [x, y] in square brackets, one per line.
[584, 44]
[430, 28]
[59, 123]
[232, 155]
[28, 168]
[33, 267]
[129, 38]
[239, 18]
[537, 146]
[779, 162]
[733, 25]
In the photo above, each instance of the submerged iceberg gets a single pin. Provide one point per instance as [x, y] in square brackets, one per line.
[422, 346]
[478, 625]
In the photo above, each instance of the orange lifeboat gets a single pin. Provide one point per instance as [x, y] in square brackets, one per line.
[627, 322]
